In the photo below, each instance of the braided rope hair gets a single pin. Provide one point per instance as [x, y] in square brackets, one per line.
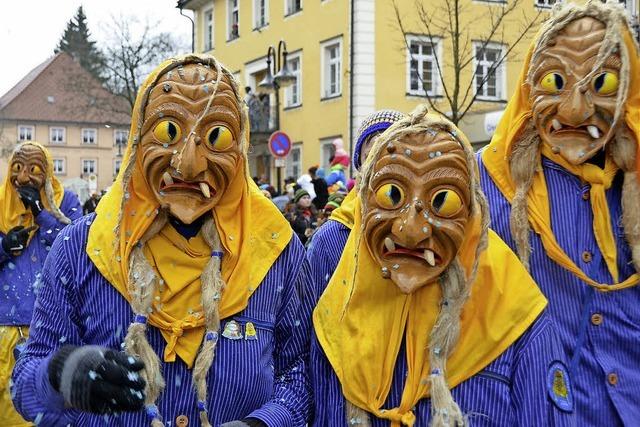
[456, 288]
[525, 156]
[143, 281]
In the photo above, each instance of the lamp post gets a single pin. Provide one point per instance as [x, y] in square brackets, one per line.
[278, 76]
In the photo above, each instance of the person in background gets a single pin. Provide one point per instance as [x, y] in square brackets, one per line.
[339, 163]
[305, 182]
[320, 188]
[34, 208]
[91, 204]
[303, 215]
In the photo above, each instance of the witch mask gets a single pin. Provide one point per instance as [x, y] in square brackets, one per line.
[28, 167]
[189, 137]
[417, 208]
[574, 98]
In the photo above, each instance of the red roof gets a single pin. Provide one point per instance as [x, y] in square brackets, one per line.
[60, 90]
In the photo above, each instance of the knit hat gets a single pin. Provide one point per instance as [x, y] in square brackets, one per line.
[299, 195]
[373, 123]
[334, 201]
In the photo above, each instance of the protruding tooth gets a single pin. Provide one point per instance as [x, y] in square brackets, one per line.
[556, 124]
[167, 179]
[430, 257]
[593, 131]
[205, 190]
[389, 244]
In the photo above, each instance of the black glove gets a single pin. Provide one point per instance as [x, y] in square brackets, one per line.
[247, 422]
[31, 198]
[97, 379]
[16, 239]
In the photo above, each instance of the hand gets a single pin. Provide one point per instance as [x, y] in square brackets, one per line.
[97, 379]
[30, 196]
[16, 239]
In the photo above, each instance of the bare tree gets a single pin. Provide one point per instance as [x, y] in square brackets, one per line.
[131, 50]
[450, 20]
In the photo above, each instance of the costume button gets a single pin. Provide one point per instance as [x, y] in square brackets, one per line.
[596, 319]
[612, 378]
[585, 195]
[182, 421]
[586, 256]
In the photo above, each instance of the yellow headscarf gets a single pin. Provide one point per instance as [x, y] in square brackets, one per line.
[12, 211]
[362, 314]
[496, 160]
[252, 231]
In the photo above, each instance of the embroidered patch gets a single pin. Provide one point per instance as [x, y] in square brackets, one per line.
[232, 330]
[559, 386]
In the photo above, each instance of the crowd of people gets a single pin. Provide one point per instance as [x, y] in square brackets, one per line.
[446, 288]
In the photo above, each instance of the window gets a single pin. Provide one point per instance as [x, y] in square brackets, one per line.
[88, 166]
[490, 81]
[120, 137]
[260, 13]
[56, 135]
[116, 166]
[208, 29]
[59, 167]
[423, 76]
[292, 6]
[331, 68]
[233, 20]
[26, 133]
[293, 92]
[294, 161]
[326, 151]
[545, 3]
[89, 136]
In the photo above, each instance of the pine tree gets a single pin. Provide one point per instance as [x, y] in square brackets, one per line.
[76, 41]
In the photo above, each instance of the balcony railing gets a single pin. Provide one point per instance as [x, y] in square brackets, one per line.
[261, 115]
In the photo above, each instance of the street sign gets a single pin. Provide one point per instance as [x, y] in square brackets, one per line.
[280, 162]
[279, 144]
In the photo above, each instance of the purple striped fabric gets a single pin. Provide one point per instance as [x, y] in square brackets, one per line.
[21, 276]
[512, 390]
[264, 378]
[611, 347]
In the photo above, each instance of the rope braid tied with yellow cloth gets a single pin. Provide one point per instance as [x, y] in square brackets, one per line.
[609, 94]
[174, 284]
[445, 325]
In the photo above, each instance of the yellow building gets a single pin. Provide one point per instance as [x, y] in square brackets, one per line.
[350, 58]
[61, 106]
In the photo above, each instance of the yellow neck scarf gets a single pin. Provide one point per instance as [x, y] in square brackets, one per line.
[496, 160]
[252, 231]
[12, 211]
[361, 313]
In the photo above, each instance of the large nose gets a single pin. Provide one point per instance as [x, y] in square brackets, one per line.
[411, 229]
[576, 107]
[193, 162]
[24, 177]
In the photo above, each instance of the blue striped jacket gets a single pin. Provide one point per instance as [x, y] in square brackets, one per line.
[264, 378]
[600, 332]
[510, 391]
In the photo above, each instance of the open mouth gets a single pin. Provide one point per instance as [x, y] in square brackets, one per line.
[170, 183]
[560, 129]
[392, 248]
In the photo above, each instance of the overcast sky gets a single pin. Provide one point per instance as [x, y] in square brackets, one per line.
[30, 30]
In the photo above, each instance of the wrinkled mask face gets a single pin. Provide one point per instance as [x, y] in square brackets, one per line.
[417, 208]
[574, 118]
[189, 156]
[28, 167]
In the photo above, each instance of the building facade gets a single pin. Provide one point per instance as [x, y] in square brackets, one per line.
[350, 58]
[61, 106]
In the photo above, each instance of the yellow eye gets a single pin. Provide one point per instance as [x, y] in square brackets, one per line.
[36, 169]
[389, 196]
[167, 132]
[552, 82]
[446, 203]
[606, 83]
[16, 167]
[219, 138]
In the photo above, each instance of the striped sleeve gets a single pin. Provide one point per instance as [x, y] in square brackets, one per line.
[50, 226]
[52, 325]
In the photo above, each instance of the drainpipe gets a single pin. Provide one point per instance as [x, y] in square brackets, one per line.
[351, 118]
[193, 30]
